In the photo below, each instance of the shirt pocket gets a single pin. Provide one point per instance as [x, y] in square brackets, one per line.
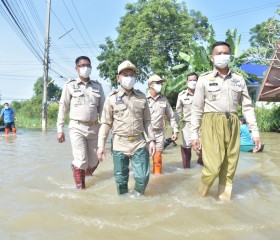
[162, 107]
[119, 110]
[139, 109]
[213, 92]
[94, 97]
[78, 98]
[187, 105]
[235, 91]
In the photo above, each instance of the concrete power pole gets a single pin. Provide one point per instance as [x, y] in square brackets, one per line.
[46, 69]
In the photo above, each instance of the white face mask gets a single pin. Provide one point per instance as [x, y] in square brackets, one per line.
[157, 87]
[85, 72]
[192, 84]
[6, 107]
[128, 82]
[221, 61]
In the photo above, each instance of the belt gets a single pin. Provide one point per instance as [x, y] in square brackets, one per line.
[130, 138]
[86, 123]
[157, 129]
[227, 114]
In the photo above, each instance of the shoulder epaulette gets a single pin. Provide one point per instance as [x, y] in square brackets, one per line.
[206, 73]
[95, 81]
[71, 80]
[139, 93]
[113, 92]
[180, 93]
[238, 73]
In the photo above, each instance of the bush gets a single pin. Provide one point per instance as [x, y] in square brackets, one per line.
[268, 119]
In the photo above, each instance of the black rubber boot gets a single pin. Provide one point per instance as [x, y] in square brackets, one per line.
[186, 157]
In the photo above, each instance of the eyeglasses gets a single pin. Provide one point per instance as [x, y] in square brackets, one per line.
[84, 65]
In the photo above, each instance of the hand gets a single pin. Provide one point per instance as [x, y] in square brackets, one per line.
[60, 137]
[258, 144]
[152, 148]
[196, 145]
[101, 154]
[174, 136]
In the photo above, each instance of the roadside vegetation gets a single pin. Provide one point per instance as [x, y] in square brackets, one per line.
[166, 38]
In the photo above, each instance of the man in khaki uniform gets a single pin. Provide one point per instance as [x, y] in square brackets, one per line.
[126, 111]
[85, 98]
[183, 107]
[159, 108]
[215, 104]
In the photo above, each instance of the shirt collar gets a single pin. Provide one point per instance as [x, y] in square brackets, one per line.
[148, 95]
[216, 73]
[80, 81]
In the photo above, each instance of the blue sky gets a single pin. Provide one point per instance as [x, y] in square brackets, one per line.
[92, 21]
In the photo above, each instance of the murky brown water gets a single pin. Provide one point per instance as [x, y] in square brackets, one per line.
[39, 199]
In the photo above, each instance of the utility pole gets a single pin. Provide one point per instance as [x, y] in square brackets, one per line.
[46, 69]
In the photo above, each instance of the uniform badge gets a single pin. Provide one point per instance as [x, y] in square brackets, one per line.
[213, 97]
[76, 86]
[119, 100]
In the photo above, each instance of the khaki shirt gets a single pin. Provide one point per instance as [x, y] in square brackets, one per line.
[127, 115]
[160, 107]
[85, 101]
[183, 105]
[216, 94]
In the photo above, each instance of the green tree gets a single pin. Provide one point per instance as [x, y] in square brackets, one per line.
[32, 109]
[16, 105]
[263, 39]
[198, 60]
[54, 91]
[151, 35]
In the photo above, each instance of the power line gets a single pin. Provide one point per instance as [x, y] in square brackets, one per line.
[243, 11]
[77, 27]
[11, 18]
[76, 44]
[75, 8]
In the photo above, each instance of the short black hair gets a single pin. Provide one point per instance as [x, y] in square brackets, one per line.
[242, 120]
[6, 103]
[192, 74]
[220, 43]
[78, 59]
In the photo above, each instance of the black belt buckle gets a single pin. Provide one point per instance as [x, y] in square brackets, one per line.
[227, 115]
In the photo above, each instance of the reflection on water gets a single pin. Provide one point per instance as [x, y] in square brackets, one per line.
[39, 199]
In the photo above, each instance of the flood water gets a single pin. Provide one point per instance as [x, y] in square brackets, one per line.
[39, 199]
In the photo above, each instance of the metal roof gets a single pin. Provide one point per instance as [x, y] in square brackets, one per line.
[258, 70]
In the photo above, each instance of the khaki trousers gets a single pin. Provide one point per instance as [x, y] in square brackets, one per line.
[220, 139]
[84, 144]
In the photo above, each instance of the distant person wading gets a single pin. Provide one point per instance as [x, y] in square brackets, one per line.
[9, 118]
